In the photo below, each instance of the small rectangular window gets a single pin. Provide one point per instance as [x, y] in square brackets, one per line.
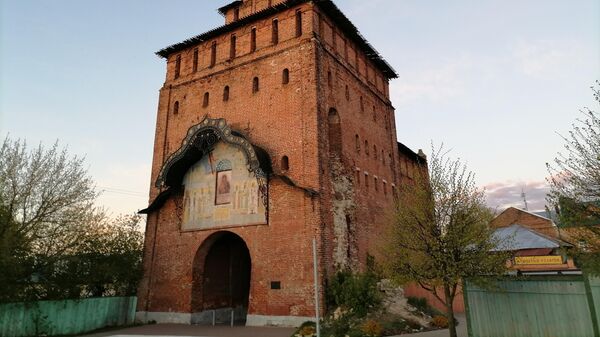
[275, 32]
[177, 66]
[232, 48]
[213, 54]
[298, 23]
[205, 100]
[253, 40]
[195, 60]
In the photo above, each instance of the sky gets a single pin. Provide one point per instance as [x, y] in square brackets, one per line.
[496, 81]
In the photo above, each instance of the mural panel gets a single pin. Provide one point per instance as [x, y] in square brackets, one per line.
[220, 192]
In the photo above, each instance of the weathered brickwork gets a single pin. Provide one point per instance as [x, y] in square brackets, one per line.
[312, 95]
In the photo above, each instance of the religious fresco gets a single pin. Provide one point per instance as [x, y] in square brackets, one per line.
[220, 191]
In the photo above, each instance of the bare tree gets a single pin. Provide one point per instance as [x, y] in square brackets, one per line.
[440, 234]
[49, 195]
[575, 185]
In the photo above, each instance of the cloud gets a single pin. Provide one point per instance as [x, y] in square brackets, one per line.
[547, 59]
[501, 195]
[435, 84]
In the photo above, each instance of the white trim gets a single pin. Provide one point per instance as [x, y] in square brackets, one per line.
[251, 320]
[283, 321]
[163, 317]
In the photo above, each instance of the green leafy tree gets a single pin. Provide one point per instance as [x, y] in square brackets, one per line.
[113, 257]
[15, 261]
[55, 243]
[575, 186]
[440, 232]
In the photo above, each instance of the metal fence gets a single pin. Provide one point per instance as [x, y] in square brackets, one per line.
[540, 306]
[65, 317]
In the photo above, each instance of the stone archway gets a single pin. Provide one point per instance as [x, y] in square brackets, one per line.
[221, 279]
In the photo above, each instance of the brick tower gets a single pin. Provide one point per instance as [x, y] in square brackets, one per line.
[272, 130]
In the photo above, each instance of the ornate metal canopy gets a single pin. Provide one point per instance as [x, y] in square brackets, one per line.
[199, 141]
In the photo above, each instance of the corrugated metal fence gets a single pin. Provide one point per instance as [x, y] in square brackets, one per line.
[66, 317]
[557, 306]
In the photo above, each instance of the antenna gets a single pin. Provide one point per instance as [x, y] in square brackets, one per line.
[524, 199]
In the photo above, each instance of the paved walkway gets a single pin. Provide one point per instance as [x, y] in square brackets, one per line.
[172, 330]
[181, 330]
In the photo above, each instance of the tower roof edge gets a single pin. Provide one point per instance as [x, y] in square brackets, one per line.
[327, 6]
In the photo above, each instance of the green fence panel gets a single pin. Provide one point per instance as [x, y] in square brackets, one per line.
[595, 285]
[548, 307]
[66, 317]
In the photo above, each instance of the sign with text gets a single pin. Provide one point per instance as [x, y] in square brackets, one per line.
[538, 260]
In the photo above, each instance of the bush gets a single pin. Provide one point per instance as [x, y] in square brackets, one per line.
[340, 326]
[371, 328]
[355, 292]
[307, 329]
[440, 321]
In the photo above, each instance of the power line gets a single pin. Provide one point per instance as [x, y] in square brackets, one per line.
[121, 191]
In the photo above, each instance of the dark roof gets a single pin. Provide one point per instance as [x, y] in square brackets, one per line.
[410, 153]
[223, 10]
[327, 6]
[158, 201]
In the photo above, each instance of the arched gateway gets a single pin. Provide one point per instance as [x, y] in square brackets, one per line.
[221, 279]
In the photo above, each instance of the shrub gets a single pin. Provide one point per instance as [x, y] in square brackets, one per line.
[334, 327]
[307, 329]
[371, 328]
[395, 326]
[357, 292]
[440, 321]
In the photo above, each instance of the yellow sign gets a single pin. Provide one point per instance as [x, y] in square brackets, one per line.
[533, 260]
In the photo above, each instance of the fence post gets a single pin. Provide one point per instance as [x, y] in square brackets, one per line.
[467, 312]
[590, 300]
